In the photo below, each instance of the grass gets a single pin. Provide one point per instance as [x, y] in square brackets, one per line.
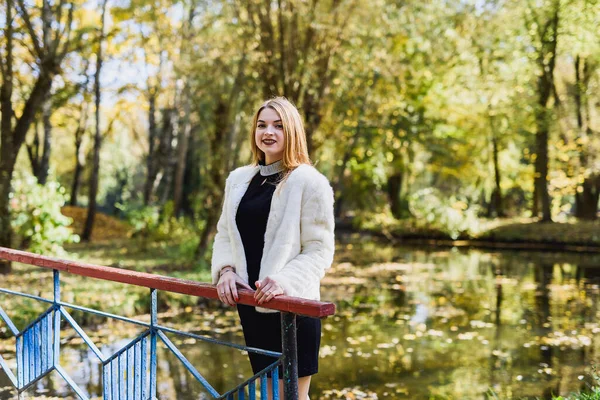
[594, 389]
[582, 396]
[572, 232]
[507, 230]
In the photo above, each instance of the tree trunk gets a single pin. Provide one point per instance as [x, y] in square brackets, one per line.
[151, 169]
[7, 157]
[78, 137]
[394, 187]
[165, 157]
[545, 84]
[541, 170]
[312, 120]
[184, 129]
[44, 164]
[5, 227]
[586, 198]
[588, 193]
[33, 151]
[182, 151]
[497, 195]
[535, 209]
[191, 177]
[208, 233]
[496, 201]
[78, 169]
[91, 214]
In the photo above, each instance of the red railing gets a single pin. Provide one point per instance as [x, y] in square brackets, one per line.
[293, 305]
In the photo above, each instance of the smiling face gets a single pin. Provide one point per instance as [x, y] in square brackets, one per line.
[269, 135]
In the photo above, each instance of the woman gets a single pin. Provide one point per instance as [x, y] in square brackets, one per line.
[275, 235]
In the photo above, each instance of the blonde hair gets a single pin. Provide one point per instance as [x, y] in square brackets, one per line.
[295, 152]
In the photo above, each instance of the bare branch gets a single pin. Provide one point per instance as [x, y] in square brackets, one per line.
[59, 15]
[2, 68]
[67, 34]
[23, 44]
[22, 10]
[46, 24]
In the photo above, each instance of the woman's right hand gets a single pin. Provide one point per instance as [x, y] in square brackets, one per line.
[227, 287]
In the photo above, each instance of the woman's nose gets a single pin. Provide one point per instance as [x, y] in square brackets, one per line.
[270, 129]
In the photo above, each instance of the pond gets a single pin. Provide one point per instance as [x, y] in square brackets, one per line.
[414, 323]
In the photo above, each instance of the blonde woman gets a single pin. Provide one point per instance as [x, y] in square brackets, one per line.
[275, 235]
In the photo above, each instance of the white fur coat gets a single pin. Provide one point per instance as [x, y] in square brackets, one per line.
[299, 240]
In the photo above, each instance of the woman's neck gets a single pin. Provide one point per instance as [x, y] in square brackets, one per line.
[269, 161]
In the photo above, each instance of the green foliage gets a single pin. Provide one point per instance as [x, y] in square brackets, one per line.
[36, 215]
[450, 214]
[593, 395]
[594, 389]
[397, 98]
[151, 223]
[143, 219]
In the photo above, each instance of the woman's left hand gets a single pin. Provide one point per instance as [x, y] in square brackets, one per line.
[266, 290]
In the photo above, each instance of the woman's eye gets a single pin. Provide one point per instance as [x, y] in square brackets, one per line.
[261, 125]
[279, 126]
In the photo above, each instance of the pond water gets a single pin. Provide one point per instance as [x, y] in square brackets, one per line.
[414, 323]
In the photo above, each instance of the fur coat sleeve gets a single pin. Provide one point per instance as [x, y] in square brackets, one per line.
[222, 254]
[305, 270]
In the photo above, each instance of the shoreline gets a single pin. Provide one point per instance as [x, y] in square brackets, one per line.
[472, 242]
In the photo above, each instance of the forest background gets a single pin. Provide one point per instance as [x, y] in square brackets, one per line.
[436, 119]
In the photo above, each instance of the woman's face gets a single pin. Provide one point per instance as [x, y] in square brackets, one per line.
[269, 135]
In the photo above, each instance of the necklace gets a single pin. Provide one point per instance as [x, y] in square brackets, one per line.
[271, 169]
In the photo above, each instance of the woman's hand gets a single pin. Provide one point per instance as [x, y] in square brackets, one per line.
[266, 290]
[227, 287]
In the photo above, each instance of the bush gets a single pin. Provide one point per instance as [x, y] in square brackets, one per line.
[36, 218]
[451, 215]
[143, 219]
[593, 392]
[150, 224]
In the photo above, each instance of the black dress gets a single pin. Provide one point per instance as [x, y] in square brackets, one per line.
[263, 330]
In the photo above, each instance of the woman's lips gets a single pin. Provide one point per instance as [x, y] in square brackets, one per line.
[269, 141]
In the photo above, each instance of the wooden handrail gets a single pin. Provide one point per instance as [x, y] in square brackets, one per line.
[294, 305]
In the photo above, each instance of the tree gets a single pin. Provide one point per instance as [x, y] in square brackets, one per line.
[298, 43]
[584, 51]
[47, 56]
[93, 191]
[543, 25]
[588, 193]
[81, 116]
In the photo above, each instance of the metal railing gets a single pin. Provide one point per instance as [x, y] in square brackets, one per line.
[130, 373]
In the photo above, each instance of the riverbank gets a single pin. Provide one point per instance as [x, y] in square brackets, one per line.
[509, 234]
[506, 233]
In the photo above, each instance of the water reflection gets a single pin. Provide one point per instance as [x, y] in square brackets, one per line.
[418, 324]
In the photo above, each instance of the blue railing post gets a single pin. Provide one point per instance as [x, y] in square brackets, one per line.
[290, 356]
[55, 359]
[153, 334]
